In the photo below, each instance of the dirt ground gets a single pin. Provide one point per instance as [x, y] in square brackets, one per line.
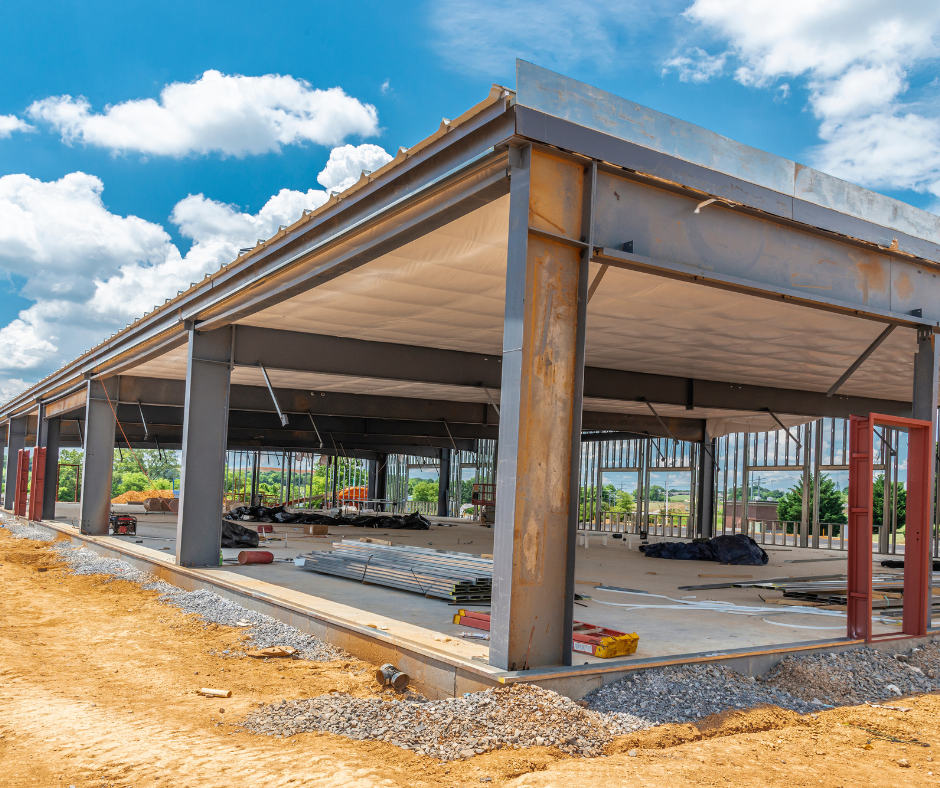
[98, 681]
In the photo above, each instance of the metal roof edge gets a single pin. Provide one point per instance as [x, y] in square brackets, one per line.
[555, 94]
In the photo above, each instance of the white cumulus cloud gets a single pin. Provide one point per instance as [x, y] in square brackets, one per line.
[11, 123]
[857, 57]
[347, 163]
[91, 271]
[232, 115]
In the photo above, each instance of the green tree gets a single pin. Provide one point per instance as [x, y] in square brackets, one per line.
[878, 498]
[423, 489]
[131, 469]
[657, 493]
[68, 476]
[831, 502]
[466, 490]
[624, 502]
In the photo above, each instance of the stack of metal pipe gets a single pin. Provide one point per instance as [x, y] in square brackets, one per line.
[458, 577]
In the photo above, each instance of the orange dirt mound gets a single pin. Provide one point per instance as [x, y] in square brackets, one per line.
[136, 496]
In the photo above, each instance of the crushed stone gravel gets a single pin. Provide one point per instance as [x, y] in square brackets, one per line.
[262, 630]
[512, 717]
[861, 676]
[20, 531]
[687, 693]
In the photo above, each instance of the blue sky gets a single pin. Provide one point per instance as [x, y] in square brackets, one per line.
[852, 88]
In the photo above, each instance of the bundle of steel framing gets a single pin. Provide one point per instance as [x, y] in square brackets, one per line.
[887, 590]
[458, 577]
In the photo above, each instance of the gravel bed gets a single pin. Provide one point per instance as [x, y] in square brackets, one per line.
[687, 694]
[860, 676]
[18, 531]
[263, 630]
[512, 717]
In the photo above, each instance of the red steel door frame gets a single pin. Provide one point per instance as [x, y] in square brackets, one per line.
[917, 601]
[37, 484]
[22, 483]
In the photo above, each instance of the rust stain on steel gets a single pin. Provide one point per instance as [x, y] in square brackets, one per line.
[548, 358]
[903, 286]
[873, 274]
[555, 196]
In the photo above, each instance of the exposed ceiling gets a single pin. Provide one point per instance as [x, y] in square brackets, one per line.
[446, 290]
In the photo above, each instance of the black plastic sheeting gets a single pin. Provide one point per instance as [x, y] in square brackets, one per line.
[235, 535]
[278, 514]
[737, 549]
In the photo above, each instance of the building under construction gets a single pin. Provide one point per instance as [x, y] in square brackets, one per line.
[555, 285]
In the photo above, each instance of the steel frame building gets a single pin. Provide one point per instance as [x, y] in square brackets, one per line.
[556, 262]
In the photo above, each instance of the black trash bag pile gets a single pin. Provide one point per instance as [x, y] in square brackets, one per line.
[735, 549]
[235, 535]
[278, 514]
[680, 551]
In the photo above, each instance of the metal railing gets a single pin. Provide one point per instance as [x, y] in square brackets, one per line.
[674, 526]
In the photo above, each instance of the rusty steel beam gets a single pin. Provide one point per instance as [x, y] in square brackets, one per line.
[538, 395]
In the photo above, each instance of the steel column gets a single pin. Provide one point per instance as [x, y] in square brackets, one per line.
[16, 440]
[255, 470]
[3, 440]
[859, 527]
[381, 476]
[22, 483]
[817, 480]
[205, 430]
[707, 482]
[926, 395]
[48, 439]
[588, 189]
[919, 516]
[443, 484]
[98, 460]
[537, 404]
[37, 484]
[804, 516]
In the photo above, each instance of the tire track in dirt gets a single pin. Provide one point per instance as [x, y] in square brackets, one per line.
[83, 742]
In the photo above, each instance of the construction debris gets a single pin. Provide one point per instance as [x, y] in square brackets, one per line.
[278, 514]
[586, 638]
[215, 693]
[458, 577]
[390, 676]
[273, 651]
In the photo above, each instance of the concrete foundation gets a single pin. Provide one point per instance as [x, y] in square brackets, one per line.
[417, 634]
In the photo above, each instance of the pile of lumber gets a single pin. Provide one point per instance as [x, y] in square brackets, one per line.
[457, 577]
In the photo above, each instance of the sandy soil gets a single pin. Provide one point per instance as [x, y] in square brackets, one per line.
[98, 680]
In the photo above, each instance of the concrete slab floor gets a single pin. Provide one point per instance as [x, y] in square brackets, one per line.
[663, 630]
